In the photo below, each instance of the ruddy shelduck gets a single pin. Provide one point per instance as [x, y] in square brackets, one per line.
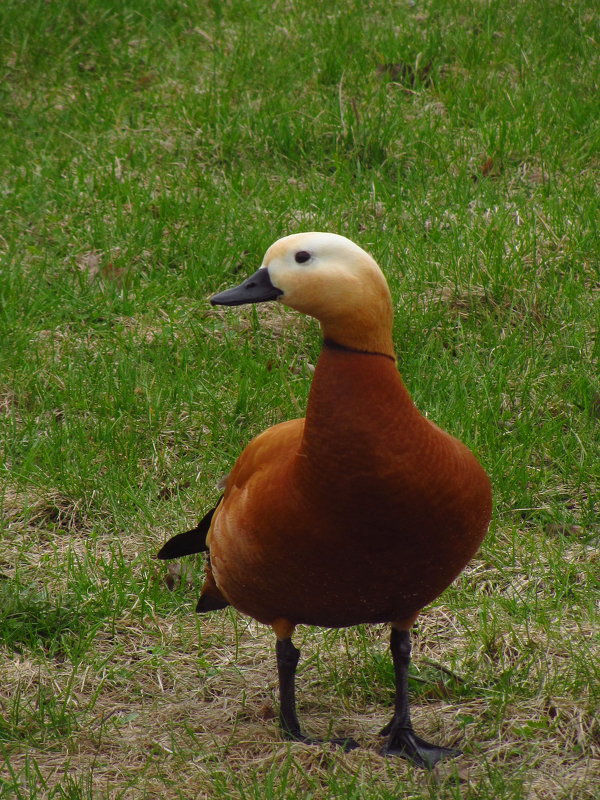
[364, 511]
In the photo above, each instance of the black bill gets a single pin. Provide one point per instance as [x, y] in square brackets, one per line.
[256, 289]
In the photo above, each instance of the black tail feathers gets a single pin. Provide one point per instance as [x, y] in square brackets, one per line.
[192, 541]
[209, 603]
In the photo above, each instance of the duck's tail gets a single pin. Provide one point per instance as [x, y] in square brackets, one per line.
[190, 542]
[211, 598]
[194, 541]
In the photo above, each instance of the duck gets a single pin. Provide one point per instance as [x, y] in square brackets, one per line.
[362, 512]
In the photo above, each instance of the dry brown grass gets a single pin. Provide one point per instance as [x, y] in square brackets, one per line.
[180, 729]
[178, 707]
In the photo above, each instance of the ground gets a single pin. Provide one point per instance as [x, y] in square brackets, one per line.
[150, 152]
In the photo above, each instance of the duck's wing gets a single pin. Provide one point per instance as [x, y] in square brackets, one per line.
[189, 542]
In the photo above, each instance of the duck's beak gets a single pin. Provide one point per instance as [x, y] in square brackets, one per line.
[255, 289]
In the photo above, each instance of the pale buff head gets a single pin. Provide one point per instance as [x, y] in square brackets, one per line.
[334, 280]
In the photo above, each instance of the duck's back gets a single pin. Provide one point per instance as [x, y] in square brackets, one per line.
[365, 512]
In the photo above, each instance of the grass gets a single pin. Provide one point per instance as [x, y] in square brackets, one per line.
[150, 152]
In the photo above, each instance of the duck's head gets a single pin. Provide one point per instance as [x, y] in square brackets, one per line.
[330, 278]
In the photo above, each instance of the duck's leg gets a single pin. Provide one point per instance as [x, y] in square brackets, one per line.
[402, 740]
[287, 661]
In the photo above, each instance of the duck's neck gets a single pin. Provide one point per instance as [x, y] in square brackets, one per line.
[358, 405]
[369, 330]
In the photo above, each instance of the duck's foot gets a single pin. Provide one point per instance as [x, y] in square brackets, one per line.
[405, 743]
[287, 661]
[345, 742]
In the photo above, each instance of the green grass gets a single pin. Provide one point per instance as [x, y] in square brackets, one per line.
[150, 152]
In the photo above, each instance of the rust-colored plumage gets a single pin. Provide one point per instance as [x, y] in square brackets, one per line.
[362, 512]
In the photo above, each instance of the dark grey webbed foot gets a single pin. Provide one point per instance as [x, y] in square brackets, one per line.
[287, 661]
[346, 743]
[405, 743]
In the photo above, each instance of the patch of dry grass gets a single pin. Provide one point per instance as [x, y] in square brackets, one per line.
[187, 706]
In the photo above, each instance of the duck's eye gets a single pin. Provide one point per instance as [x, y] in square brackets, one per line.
[302, 256]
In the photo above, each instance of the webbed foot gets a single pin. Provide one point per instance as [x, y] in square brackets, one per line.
[287, 661]
[405, 743]
[345, 742]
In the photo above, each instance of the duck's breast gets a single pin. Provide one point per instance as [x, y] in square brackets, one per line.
[365, 513]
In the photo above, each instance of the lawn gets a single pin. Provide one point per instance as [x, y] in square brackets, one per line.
[150, 152]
